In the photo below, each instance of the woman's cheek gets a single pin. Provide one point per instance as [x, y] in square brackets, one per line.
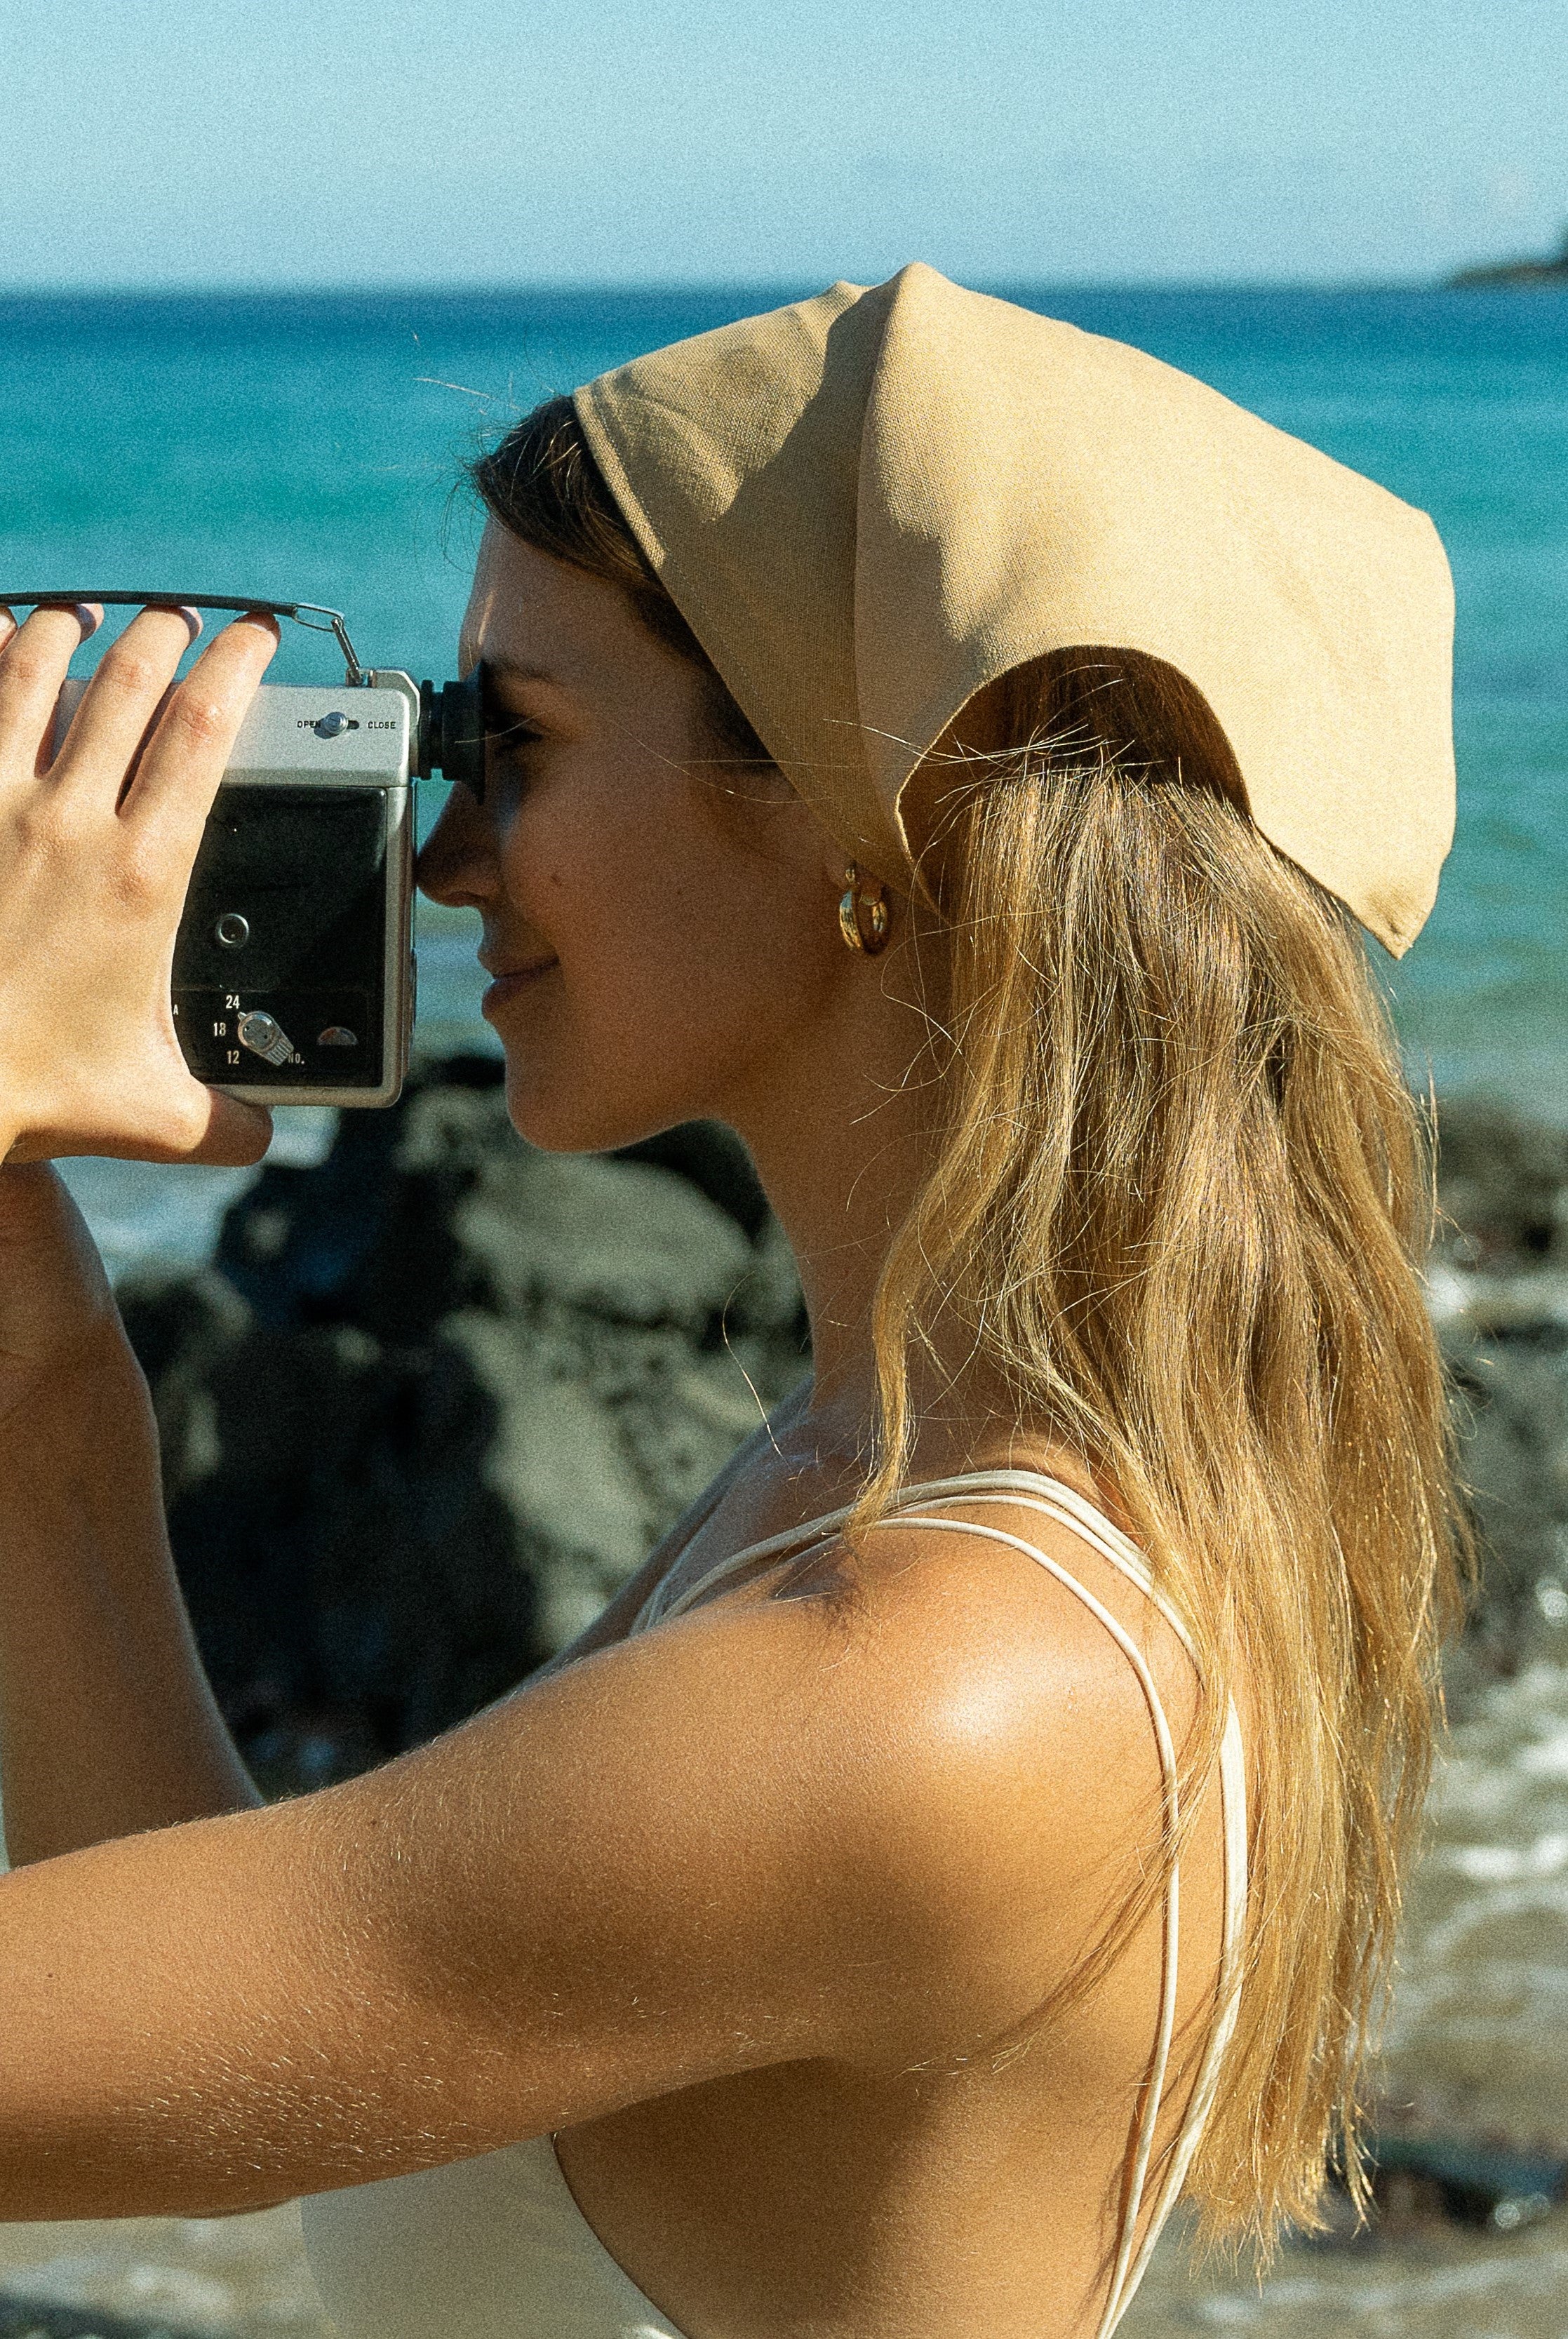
[593, 1050]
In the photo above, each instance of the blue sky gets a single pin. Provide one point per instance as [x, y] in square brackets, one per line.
[375, 142]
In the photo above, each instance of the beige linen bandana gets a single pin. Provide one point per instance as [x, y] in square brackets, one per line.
[869, 504]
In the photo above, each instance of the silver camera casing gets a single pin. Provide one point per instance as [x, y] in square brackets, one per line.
[345, 758]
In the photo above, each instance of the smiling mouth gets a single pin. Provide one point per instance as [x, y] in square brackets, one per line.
[511, 980]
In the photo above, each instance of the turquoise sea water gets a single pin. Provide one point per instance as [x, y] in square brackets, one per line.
[308, 447]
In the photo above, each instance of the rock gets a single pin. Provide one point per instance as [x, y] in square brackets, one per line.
[1503, 1185]
[436, 1398]
[22, 2318]
[1421, 2180]
[1499, 1292]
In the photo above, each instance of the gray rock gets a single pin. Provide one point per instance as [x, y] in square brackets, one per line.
[436, 1401]
[1499, 1291]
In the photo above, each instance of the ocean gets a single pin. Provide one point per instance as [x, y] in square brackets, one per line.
[311, 448]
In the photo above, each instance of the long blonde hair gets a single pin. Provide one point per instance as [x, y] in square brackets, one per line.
[1178, 1209]
[1179, 1206]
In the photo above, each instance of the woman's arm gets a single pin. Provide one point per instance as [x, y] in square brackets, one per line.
[769, 1830]
[107, 1723]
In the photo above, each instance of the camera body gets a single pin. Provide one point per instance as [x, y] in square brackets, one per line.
[293, 978]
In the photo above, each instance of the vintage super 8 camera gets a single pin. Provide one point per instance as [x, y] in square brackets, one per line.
[293, 979]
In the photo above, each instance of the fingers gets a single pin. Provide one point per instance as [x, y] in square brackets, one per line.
[237, 1134]
[184, 759]
[32, 662]
[121, 701]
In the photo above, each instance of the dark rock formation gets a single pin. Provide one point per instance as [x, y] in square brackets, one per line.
[435, 1399]
[1499, 1285]
[22, 2318]
[1505, 275]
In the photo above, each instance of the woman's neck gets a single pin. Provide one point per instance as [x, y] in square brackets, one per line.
[843, 1136]
[840, 1198]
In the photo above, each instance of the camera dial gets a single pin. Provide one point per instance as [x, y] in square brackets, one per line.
[265, 1037]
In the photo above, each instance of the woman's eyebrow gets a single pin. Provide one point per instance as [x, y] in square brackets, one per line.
[513, 670]
[503, 671]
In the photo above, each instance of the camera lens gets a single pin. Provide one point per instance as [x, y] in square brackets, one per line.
[233, 931]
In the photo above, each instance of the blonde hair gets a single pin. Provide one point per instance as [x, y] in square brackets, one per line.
[1178, 1209]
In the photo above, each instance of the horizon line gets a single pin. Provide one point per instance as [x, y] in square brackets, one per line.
[654, 287]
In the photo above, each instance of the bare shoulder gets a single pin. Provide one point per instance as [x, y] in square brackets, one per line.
[988, 1605]
[930, 1704]
[1007, 1675]
[1017, 1774]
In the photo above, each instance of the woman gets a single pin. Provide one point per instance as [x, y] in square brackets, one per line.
[947, 748]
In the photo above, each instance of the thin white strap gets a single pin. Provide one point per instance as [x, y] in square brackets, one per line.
[655, 1609]
[1083, 1517]
[1233, 1806]
[1069, 1508]
[1148, 2112]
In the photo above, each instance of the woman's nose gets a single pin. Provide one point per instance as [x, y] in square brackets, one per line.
[456, 862]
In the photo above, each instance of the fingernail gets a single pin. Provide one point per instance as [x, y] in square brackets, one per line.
[193, 618]
[89, 617]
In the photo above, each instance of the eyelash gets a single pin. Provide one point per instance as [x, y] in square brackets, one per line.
[508, 745]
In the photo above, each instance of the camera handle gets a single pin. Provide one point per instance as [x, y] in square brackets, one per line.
[304, 613]
[452, 719]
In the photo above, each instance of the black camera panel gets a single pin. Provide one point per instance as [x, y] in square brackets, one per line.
[284, 921]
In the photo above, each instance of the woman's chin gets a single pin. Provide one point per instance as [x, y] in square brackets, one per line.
[574, 1116]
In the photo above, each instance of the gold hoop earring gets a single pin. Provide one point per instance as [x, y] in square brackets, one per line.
[863, 918]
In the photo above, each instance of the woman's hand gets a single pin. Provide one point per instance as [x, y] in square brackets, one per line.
[96, 848]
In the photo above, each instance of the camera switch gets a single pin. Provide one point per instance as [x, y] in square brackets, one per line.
[333, 726]
[265, 1037]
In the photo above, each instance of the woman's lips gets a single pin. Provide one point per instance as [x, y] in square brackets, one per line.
[514, 980]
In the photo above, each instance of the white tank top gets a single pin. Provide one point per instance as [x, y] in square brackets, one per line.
[496, 2248]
